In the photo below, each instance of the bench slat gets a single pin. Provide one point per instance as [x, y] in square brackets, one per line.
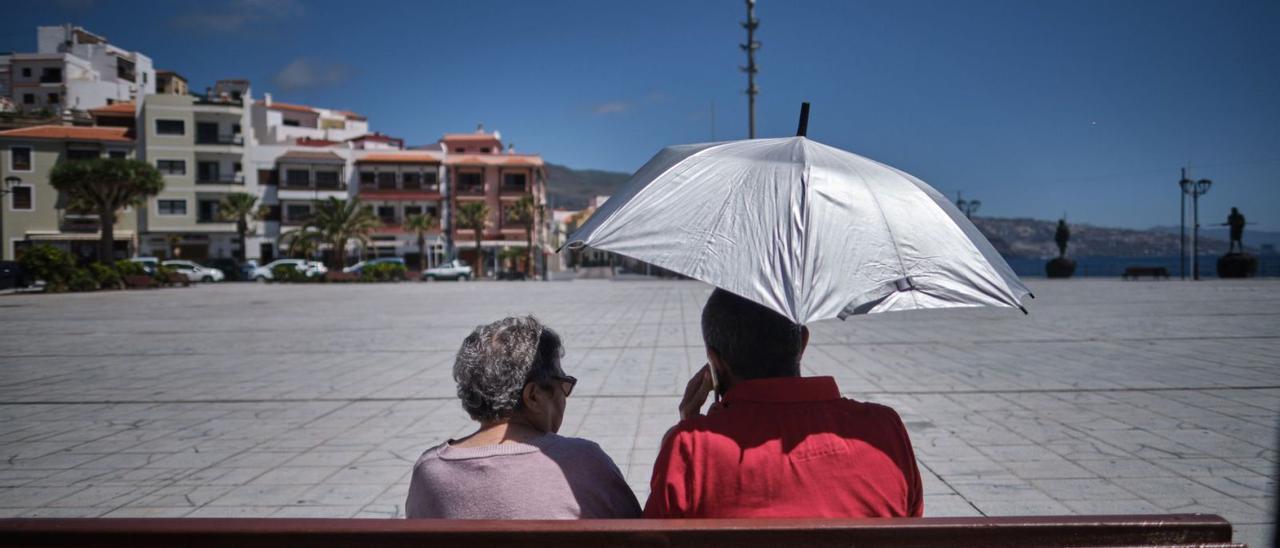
[1137, 530]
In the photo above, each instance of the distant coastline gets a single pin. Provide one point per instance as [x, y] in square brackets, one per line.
[1113, 267]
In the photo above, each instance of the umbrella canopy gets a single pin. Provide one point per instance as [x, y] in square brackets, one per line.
[811, 231]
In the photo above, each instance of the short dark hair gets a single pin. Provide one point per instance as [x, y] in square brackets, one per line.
[753, 340]
[497, 360]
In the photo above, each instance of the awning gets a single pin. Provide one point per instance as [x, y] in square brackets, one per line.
[126, 235]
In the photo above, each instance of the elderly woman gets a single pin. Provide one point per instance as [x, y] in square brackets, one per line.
[515, 466]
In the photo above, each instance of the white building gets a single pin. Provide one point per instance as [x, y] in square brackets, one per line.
[74, 69]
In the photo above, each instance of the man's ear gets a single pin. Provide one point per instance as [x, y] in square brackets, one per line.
[804, 341]
[718, 364]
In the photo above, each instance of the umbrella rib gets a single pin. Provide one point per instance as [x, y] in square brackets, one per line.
[902, 267]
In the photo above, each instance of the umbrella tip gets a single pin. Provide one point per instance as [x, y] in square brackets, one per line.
[1024, 310]
[804, 120]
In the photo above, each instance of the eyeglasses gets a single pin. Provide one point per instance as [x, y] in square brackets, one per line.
[566, 383]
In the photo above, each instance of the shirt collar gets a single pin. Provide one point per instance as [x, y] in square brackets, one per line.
[784, 390]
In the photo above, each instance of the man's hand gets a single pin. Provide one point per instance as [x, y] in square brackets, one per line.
[696, 392]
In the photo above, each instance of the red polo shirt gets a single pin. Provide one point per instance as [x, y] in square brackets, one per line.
[787, 447]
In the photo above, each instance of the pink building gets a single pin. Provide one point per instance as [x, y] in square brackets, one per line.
[479, 170]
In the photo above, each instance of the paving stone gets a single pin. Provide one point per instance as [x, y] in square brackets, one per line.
[255, 400]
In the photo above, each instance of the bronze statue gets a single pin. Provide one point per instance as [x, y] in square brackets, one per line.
[1236, 221]
[1061, 237]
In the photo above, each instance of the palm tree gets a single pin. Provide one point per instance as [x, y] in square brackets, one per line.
[474, 216]
[240, 207]
[105, 186]
[522, 213]
[340, 221]
[421, 225]
[301, 244]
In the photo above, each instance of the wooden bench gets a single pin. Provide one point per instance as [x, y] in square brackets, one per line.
[174, 279]
[1174, 530]
[1135, 272]
[138, 281]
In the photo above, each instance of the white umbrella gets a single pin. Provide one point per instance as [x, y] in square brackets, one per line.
[811, 231]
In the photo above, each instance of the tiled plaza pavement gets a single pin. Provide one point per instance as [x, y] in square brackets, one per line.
[255, 400]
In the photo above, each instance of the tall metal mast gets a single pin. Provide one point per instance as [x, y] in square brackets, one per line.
[750, 47]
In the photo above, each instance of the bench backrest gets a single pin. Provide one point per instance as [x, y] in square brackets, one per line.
[1142, 530]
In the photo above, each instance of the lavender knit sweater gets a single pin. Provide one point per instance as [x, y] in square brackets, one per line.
[553, 477]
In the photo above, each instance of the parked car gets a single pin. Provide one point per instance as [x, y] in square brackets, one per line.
[310, 268]
[149, 264]
[356, 268]
[231, 269]
[452, 270]
[194, 272]
[12, 275]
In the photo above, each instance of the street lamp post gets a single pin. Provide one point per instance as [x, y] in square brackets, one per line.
[1195, 189]
[9, 183]
[1185, 184]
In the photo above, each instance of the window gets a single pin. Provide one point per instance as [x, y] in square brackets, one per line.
[297, 177]
[125, 69]
[22, 199]
[20, 158]
[513, 181]
[386, 180]
[117, 154]
[207, 172]
[26, 72]
[291, 123]
[472, 183]
[53, 98]
[327, 179]
[411, 210]
[485, 150]
[412, 180]
[172, 167]
[207, 211]
[171, 207]
[429, 178]
[367, 178]
[171, 127]
[459, 150]
[51, 75]
[297, 213]
[28, 98]
[387, 214]
[74, 154]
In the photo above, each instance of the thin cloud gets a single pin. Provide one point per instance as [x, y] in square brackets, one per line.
[235, 15]
[611, 107]
[308, 73]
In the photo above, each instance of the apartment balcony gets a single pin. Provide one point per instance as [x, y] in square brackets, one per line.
[73, 222]
[219, 179]
[471, 190]
[220, 140]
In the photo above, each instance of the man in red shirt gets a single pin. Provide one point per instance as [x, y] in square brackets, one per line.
[777, 444]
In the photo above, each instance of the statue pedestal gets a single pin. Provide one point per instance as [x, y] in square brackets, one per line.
[1237, 265]
[1060, 267]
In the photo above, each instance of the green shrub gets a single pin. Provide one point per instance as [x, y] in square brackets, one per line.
[82, 280]
[106, 276]
[383, 272]
[287, 273]
[130, 268]
[48, 263]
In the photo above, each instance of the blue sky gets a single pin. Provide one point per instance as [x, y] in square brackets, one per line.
[1034, 108]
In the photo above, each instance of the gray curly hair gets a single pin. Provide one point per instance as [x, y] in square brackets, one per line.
[497, 360]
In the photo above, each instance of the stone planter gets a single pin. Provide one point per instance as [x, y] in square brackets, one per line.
[1237, 265]
[1060, 267]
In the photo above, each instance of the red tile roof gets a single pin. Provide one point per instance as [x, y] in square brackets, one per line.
[375, 136]
[71, 133]
[404, 158]
[276, 105]
[118, 109]
[309, 142]
[309, 156]
[455, 137]
[532, 160]
[351, 115]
